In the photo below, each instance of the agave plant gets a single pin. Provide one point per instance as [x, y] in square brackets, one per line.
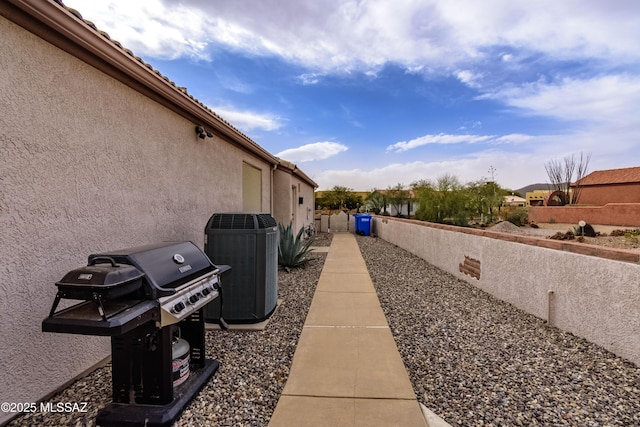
[292, 251]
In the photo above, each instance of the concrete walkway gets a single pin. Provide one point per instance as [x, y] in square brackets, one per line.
[346, 370]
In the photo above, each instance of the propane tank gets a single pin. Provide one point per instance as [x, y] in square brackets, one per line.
[181, 356]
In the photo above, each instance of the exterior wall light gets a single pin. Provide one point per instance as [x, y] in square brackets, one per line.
[202, 132]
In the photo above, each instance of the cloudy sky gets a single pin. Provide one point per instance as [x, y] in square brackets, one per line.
[371, 93]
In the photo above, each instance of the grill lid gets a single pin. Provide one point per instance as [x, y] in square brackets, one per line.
[102, 276]
[165, 265]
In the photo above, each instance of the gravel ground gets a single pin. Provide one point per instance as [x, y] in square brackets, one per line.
[254, 366]
[477, 361]
[472, 359]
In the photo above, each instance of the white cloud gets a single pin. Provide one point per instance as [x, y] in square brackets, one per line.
[514, 138]
[309, 78]
[339, 35]
[469, 78]
[248, 120]
[149, 28]
[567, 29]
[518, 159]
[437, 139]
[470, 168]
[314, 151]
[612, 98]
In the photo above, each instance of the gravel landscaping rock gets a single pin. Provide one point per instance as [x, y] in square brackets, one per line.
[472, 359]
[475, 360]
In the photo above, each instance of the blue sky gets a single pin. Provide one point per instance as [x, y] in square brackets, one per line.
[371, 93]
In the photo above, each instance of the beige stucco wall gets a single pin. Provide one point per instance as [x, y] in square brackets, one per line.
[595, 298]
[282, 197]
[284, 207]
[87, 164]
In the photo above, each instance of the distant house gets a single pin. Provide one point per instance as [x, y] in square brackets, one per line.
[536, 197]
[609, 186]
[514, 201]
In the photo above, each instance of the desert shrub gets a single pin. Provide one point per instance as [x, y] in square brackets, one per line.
[632, 233]
[461, 220]
[628, 233]
[518, 216]
[563, 236]
[293, 251]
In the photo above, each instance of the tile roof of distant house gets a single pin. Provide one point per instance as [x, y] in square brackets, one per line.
[612, 176]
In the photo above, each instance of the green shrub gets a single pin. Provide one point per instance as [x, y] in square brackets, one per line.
[292, 251]
[518, 216]
[461, 220]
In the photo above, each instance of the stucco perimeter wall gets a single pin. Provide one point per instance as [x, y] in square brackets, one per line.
[86, 165]
[596, 291]
[623, 214]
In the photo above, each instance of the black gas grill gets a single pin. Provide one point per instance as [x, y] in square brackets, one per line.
[143, 298]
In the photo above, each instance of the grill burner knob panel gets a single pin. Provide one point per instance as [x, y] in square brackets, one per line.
[178, 307]
[188, 299]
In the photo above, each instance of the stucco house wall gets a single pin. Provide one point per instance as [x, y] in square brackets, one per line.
[600, 187]
[289, 187]
[600, 195]
[595, 290]
[89, 164]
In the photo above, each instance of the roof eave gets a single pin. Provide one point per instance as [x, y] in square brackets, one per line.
[292, 168]
[78, 32]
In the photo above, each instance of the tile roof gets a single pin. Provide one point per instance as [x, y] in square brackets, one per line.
[612, 176]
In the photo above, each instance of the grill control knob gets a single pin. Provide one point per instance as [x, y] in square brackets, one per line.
[178, 307]
[206, 291]
[193, 299]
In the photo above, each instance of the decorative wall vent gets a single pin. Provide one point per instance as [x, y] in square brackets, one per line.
[471, 267]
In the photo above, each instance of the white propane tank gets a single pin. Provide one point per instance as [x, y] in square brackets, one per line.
[181, 356]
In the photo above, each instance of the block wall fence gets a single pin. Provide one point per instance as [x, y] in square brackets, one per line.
[591, 291]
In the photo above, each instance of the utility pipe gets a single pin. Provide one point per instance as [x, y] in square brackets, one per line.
[549, 298]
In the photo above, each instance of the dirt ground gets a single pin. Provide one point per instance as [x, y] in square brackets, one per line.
[630, 241]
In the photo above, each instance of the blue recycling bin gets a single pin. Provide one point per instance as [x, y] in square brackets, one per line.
[363, 224]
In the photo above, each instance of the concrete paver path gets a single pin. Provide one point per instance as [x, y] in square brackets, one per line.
[346, 370]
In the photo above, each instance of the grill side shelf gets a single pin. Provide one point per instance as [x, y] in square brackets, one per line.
[85, 319]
